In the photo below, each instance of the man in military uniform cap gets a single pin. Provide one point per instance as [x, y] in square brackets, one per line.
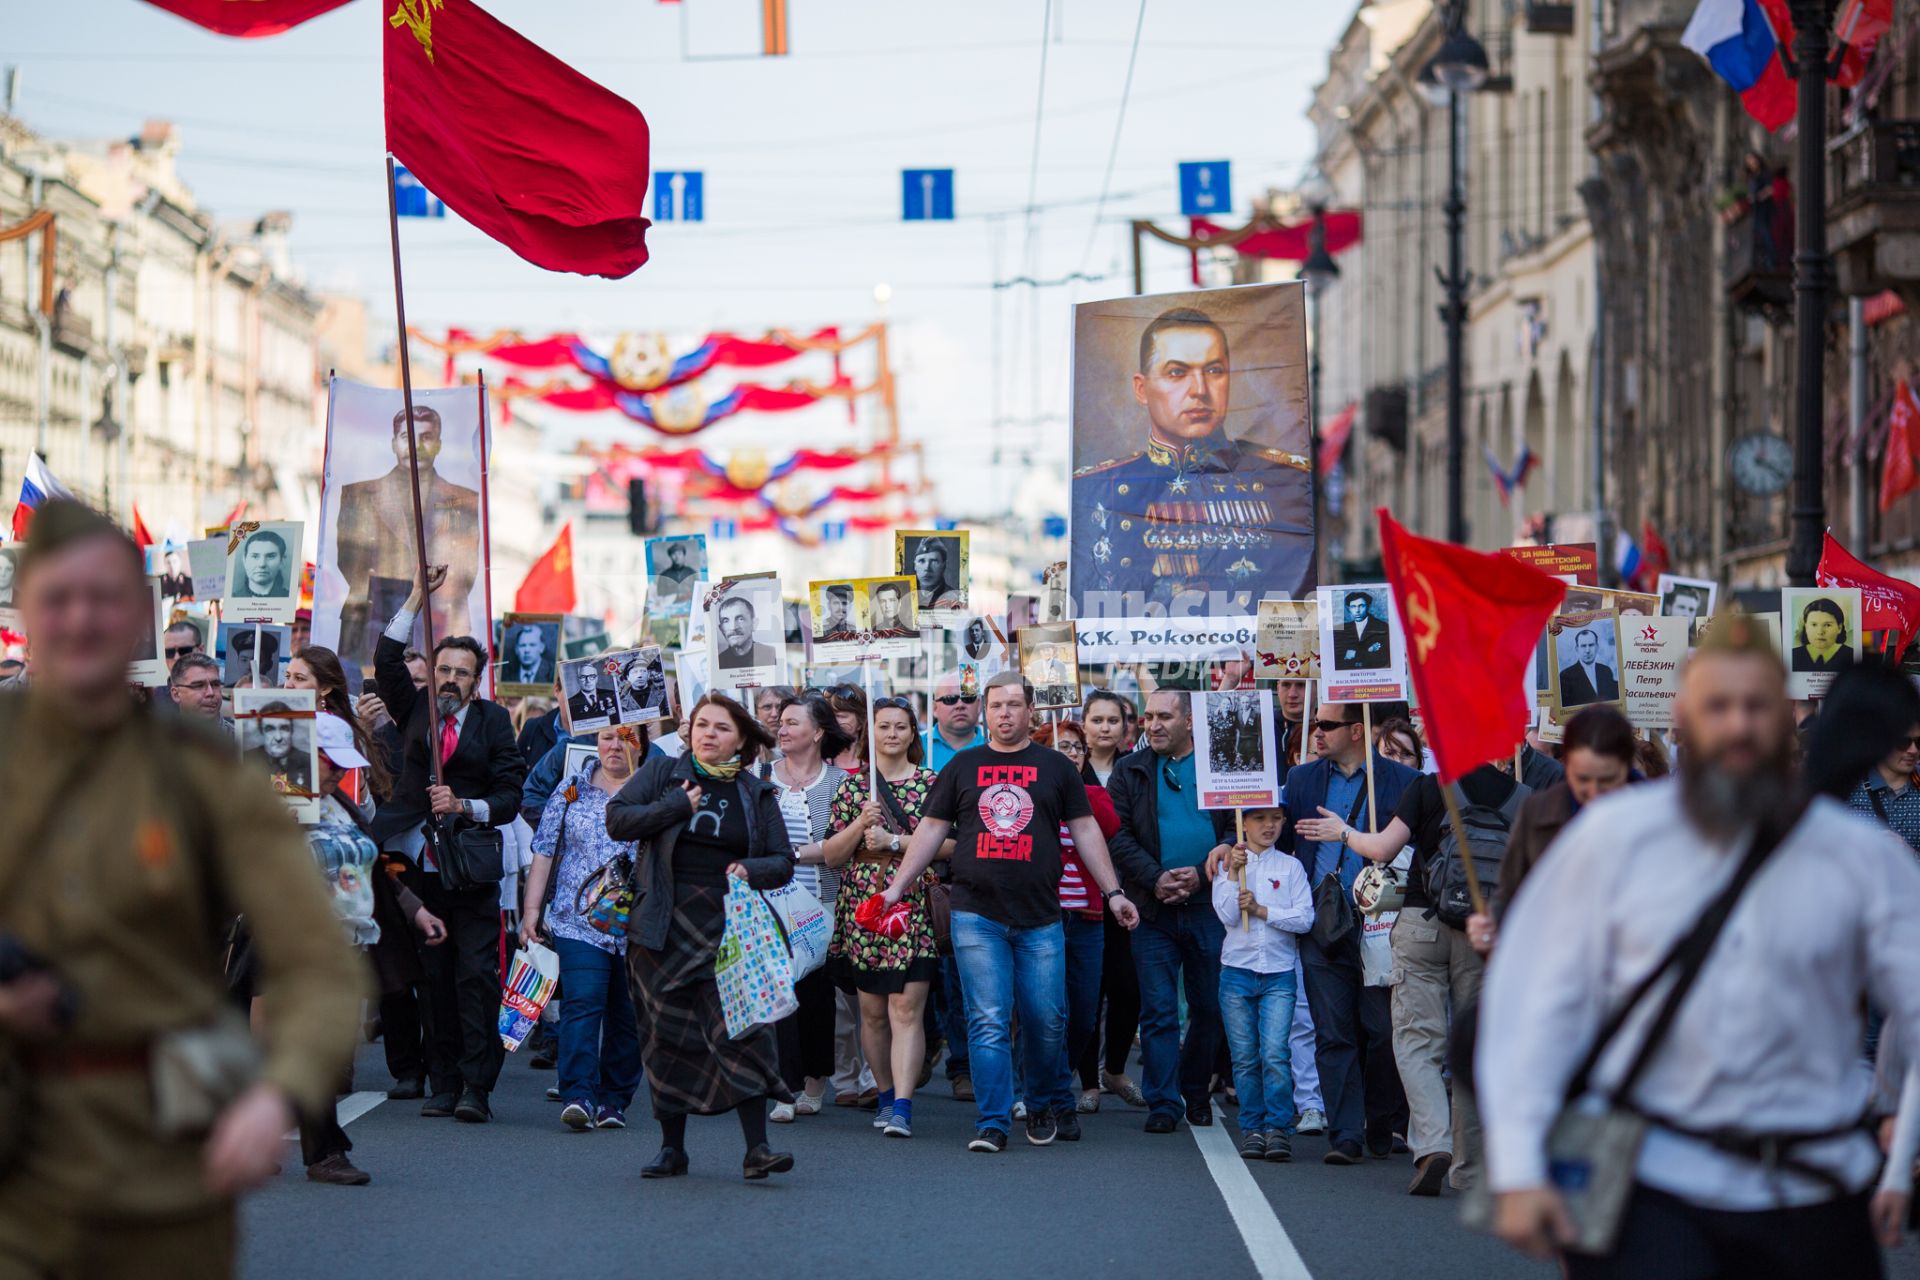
[127, 840]
[1192, 512]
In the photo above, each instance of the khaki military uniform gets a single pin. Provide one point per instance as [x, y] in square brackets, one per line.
[122, 852]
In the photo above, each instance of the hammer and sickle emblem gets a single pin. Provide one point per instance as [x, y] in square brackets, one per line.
[1421, 613]
[417, 17]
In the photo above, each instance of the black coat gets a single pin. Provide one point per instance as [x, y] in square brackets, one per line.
[1135, 789]
[485, 764]
[538, 735]
[651, 807]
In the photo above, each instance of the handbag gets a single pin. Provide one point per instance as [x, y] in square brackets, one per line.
[939, 892]
[1593, 1147]
[469, 856]
[1333, 916]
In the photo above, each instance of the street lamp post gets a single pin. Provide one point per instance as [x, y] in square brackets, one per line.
[1811, 284]
[1457, 69]
[1319, 271]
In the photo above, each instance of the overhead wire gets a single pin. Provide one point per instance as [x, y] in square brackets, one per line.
[1113, 149]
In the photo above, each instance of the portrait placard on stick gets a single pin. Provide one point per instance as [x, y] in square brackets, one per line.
[1288, 647]
[1690, 598]
[1233, 749]
[624, 686]
[149, 664]
[1579, 562]
[248, 650]
[674, 565]
[530, 651]
[936, 560]
[274, 729]
[1363, 656]
[1654, 650]
[1583, 651]
[207, 561]
[263, 572]
[745, 632]
[1049, 659]
[1819, 636]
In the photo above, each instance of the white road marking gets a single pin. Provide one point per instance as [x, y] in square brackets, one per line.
[349, 1109]
[1274, 1256]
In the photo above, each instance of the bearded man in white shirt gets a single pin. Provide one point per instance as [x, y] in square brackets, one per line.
[1757, 1161]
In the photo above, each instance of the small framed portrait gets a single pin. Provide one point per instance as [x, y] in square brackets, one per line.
[674, 565]
[1692, 598]
[576, 757]
[936, 560]
[1233, 745]
[1583, 653]
[1362, 654]
[9, 570]
[642, 686]
[252, 655]
[1819, 636]
[837, 622]
[588, 687]
[274, 728]
[586, 646]
[888, 606]
[1050, 660]
[746, 633]
[1287, 640]
[263, 572]
[530, 652]
[167, 561]
[1631, 604]
[149, 663]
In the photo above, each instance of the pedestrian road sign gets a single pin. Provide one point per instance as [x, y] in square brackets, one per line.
[1205, 188]
[926, 195]
[678, 195]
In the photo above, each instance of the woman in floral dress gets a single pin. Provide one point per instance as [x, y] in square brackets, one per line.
[868, 838]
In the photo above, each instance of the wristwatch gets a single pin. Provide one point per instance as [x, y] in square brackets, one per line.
[1110, 895]
[893, 845]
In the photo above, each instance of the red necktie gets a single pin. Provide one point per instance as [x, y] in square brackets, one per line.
[449, 738]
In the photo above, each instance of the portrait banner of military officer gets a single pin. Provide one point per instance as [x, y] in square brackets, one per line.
[674, 565]
[892, 619]
[1363, 657]
[528, 653]
[1288, 644]
[274, 729]
[1192, 494]
[936, 560]
[263, 572]
[589, 687]
[1050, 660]
[1583, 654]
[745, 632]
[837, 624]
[1235, 763]
[253, 654]
[366, 514]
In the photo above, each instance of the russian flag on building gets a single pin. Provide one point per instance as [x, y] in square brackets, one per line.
[1626, 557]
[1741, 45]
[36, 487]
[1508, 480]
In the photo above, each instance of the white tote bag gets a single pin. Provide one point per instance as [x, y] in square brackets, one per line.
[807, 924]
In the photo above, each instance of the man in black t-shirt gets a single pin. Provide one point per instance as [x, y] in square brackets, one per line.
[1438, 968]
[1004, 804]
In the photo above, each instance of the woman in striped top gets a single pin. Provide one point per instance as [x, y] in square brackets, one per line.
[804, 784]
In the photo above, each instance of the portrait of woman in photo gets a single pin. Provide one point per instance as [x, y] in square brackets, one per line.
[1822, 643]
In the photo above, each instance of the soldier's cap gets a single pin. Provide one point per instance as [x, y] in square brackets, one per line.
[62, 523]
[1739, 634]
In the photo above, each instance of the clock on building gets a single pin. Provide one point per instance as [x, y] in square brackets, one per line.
[1761, 463]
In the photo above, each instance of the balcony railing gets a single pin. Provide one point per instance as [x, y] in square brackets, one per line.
[1759, 271]
[1876, 154]
[1873, 206]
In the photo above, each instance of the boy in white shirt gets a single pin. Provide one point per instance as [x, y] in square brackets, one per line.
[1257, 979]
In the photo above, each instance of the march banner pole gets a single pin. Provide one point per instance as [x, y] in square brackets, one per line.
[1240, 838]
[1366, 721]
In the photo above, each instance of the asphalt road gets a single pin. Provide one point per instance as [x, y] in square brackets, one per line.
[523, 1195]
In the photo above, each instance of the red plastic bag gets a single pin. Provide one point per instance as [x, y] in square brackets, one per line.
[875, 916]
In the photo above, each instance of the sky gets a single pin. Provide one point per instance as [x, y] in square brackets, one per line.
[802, 158]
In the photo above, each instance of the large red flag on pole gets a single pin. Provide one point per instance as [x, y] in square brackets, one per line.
[1886, 603]
[514, 140]
[247, 17]
[549, 584]
[1472, 623]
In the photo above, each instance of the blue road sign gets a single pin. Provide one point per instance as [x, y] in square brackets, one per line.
[1206, 186]
[679, 195]
[926, 195]
[411, 200]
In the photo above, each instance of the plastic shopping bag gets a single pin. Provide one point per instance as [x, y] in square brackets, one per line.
[752, 968]
[875, 916]
[807, 924]
[530, 983]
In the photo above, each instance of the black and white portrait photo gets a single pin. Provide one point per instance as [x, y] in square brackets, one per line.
[274, 729]
[1233, 731]
[1235, 763]
[263, 574]
[1584, 653]
[936, 560]
[1362, 639]
[236, 643]
[1687, 597]
[1050, 660]
[747, 633]
[529, 654]
[9, 569]
[1820, 636]
[642, 686]
[588, 687]
[675, 564]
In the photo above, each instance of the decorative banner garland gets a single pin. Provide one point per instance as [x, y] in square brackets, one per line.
[642, 361]
[682, 410]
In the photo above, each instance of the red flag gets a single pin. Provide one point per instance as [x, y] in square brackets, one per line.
[1656, 559]
[140, 535]
[247, 17]
[549, 584]
[514, 140]
[1472, 623]
[1886, 603]
[1898, 476]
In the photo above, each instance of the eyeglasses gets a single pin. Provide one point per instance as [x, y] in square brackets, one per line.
[1166, 776]
[199, 686]
[181, 651]
[1328, 726]
[954, 699]
[1913, 742]
[1073, 747]
[897, 704]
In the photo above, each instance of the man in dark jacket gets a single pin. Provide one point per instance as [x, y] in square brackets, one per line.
[1352, 1023]
[479, 777]
[1163, 842]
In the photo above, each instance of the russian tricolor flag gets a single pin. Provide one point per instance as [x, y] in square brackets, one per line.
[1738, 41]
[36, 487]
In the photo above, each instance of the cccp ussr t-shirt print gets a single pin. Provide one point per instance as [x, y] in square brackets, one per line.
[1007, 808]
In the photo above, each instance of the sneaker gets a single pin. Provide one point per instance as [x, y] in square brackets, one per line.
[1019, 1111]
[338, 1171]
[1067, 1126]
[963, 1088]
[881, 1118]
[1313, 1121]
[809, 1104]
[1279, 1146]
[898, 1126]
[1429, 1171]
[782, 1113]
[1089, 1102]
[1253, 1146]
[1042, 1129]
[1124, 1089]
[609, 1118]
[577, 1115]
[553, 1093]
[990, 1141]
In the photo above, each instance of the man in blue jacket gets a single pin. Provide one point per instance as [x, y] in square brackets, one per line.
[1162, 844]
[1337, 781]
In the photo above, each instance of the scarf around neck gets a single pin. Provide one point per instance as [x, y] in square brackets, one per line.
[725, 771]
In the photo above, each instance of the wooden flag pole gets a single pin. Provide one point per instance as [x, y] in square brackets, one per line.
[1306, 726]
[1466, 850]
[1366, 721]
[256, 655]
[413, 463]
[1240, 838]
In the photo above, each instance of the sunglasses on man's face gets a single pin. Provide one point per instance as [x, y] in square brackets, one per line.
[1328, 726]
[181, 651]
[954, 699]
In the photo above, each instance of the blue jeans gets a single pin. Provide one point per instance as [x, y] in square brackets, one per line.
[599, 1039]
[1086, 949]
[1179, 942]
[1257, 1011]
[953, 1021]
[1007, 970]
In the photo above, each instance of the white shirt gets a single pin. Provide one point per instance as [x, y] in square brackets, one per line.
[1279, 884]
[411, 844]
[1769, 1038]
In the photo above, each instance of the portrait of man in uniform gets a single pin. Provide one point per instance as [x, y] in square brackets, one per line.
[275, 748]
[1182, 511]
[590, 696]
[890, 610]
[676, 563]
[835, 620]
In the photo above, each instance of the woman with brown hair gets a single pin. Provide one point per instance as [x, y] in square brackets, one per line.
[1397, 740]
[849, 702]
[319, 669]
[706, 822]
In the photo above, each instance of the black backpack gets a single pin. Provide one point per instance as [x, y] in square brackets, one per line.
[1445, 878]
